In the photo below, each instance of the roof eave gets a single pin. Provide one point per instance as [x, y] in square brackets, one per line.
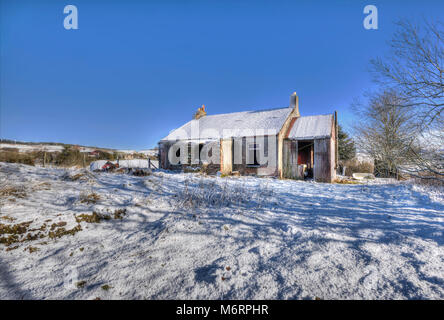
[310, 138]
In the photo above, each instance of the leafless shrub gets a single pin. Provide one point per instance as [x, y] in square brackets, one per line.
[429, 182]
[206, 193]
[385, 131]
[13, 156]
[354, 166]
[434, 189]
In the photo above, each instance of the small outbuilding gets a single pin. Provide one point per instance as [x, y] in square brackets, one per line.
[310, 149]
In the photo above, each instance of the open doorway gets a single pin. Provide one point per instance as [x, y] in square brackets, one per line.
[305, 157]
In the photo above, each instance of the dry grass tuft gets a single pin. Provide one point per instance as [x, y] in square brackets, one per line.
[345, 181]
[57, 225]
[12, 191]
[96, 217]
[60, 232]
[90, 198]
[91, 218]
[8, 218]
[205, 193]
[119, 213]
[9, 239]
[42, 186]
[21, 233]
[15, 229]
[31, 249]
[74, 177]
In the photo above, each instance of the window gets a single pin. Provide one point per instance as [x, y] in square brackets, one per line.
[253, 154]
[201, 145]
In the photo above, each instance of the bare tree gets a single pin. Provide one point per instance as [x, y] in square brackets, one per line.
[385, 131]
[426, 159]
[415, 69]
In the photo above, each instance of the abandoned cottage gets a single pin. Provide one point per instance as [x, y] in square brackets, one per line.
[274, 142]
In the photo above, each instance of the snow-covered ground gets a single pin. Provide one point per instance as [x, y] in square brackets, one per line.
[187, 236]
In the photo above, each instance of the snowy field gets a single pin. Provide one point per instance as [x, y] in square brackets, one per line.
[31, 147]
[185, 236]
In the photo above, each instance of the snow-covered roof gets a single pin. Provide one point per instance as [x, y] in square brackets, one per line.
[311, 127]
[236, 124]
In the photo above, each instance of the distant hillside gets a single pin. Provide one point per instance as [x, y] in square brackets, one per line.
[15, 144]
[24, 146]
[61, 154]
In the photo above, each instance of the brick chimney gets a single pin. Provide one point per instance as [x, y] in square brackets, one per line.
[294, 103]
[200, 113]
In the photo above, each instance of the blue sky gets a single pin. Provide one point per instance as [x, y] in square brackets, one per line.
[134, 70]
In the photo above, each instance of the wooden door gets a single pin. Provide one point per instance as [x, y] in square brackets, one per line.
[290, 157]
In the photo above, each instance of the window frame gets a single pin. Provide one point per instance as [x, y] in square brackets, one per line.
[253, 146]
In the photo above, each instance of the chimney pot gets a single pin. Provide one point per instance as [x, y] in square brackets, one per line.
[294, 103]
[199, 113]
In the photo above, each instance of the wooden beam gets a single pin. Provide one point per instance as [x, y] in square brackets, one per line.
[336, 141]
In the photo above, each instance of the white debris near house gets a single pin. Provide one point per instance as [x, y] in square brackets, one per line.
[97, 165]
[186, 236]
[135, 164]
